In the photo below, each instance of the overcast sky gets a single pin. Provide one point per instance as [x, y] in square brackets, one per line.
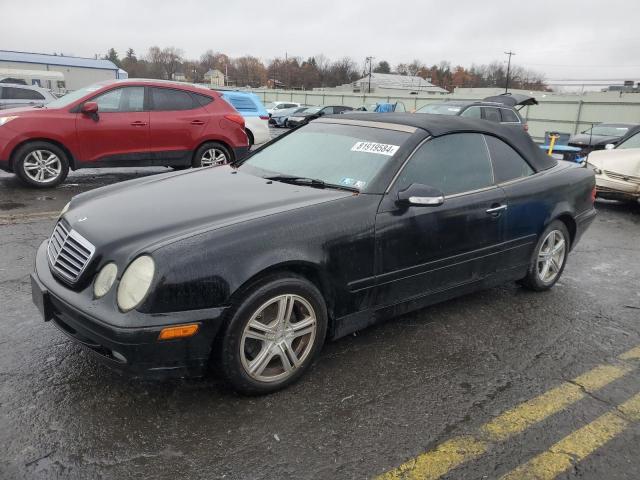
[562, 39]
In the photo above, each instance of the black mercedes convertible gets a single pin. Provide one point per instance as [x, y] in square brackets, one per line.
[330, 228]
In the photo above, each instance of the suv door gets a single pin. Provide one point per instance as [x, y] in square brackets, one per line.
[119, 134]
[177, 122]
[423, 250]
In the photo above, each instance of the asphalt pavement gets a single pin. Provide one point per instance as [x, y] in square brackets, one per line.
[503, 382]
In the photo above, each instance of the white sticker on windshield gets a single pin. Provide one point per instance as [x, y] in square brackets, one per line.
[379, 148]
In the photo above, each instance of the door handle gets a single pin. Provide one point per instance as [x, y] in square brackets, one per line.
[138, 124]
[497, 209]
[197, 122]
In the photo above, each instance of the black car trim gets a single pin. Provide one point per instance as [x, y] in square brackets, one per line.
[141, 159]
[442, 263]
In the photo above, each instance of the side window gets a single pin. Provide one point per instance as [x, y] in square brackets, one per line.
[328, 110]
[167, 99]
[454, 164]
[507, 163]
[290, 105]
[11, 93]
[472, 112]
[203, 99]
[126, 99]
[631, 142]
[509, 116]
[491, 114]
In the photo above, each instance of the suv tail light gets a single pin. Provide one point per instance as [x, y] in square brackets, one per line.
[264, 117]
[594, 194]
[235, 118]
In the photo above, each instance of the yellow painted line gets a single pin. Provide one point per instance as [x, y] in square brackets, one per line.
[458, 450]
[436, 463]
[633, 354]
[518, 419]
[578, 445]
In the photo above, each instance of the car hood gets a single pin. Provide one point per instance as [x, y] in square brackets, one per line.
[23, 111]
[586, 139]
[159, 208]
[624, 162]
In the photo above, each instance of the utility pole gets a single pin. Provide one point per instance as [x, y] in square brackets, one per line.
[370, 60]
[510, 53]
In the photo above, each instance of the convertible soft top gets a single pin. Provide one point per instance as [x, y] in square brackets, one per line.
[438, 125]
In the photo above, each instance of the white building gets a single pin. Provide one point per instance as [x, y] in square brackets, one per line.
[78, 71]
[215, 78]
[393, 84]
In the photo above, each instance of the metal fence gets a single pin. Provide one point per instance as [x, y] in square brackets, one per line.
[569, 114]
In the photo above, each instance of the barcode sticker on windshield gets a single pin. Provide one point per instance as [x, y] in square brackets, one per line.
[379, 148]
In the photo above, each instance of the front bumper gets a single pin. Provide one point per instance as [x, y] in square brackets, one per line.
[607, 187]
[135, 350]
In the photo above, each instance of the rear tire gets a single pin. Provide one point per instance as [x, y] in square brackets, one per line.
[41, 164]
[549, 258]
[211, 154]
[276, 330]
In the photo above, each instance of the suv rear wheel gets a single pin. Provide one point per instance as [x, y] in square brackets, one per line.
[211, 154]
[41, 164]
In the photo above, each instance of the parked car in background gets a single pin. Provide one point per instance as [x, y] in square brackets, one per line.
[121, 123]
[13, 96]
[601, 135]
[273, 107]
[256, 118]
[498, 109]
[325, 231]
[281, 117]
[618, 170]
[315, 112]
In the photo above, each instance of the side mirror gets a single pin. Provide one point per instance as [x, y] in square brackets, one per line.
[609, 146]
[89, 108]
[420, 196]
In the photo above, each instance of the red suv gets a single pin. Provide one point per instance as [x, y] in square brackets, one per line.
[122, 123]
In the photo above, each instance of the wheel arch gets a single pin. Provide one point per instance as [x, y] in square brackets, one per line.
[70, 157]
[250, 135]
[305, 269]
[216, 140]
[570, 223]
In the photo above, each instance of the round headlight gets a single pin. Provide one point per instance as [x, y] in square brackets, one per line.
[135, 282]
[64, 209]
[104, 280]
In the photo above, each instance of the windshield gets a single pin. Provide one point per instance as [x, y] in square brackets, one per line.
[608, 130]
[346, 155]
[440, 109]
[631, 142]
[71, 97]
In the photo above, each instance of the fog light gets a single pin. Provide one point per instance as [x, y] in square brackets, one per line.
[181, 331]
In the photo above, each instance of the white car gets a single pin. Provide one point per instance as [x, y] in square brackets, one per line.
[274, 107]
[618, 170]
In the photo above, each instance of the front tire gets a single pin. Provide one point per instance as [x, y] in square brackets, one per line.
[211, 154]
[41, 164]
[549, 258]
[274, 334]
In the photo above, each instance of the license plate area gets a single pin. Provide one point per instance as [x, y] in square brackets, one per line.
[40, 297]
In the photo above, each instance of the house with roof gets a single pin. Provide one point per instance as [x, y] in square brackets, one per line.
[78, 72]
[214, 77]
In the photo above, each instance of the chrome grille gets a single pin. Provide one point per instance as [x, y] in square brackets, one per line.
[619, 176]
[69, 253]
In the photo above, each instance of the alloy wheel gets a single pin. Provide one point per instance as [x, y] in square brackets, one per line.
[213, 157]
[278, 338]
[551, 256]
[42, 166]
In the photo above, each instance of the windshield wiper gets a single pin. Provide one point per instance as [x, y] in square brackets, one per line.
[311, 182]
